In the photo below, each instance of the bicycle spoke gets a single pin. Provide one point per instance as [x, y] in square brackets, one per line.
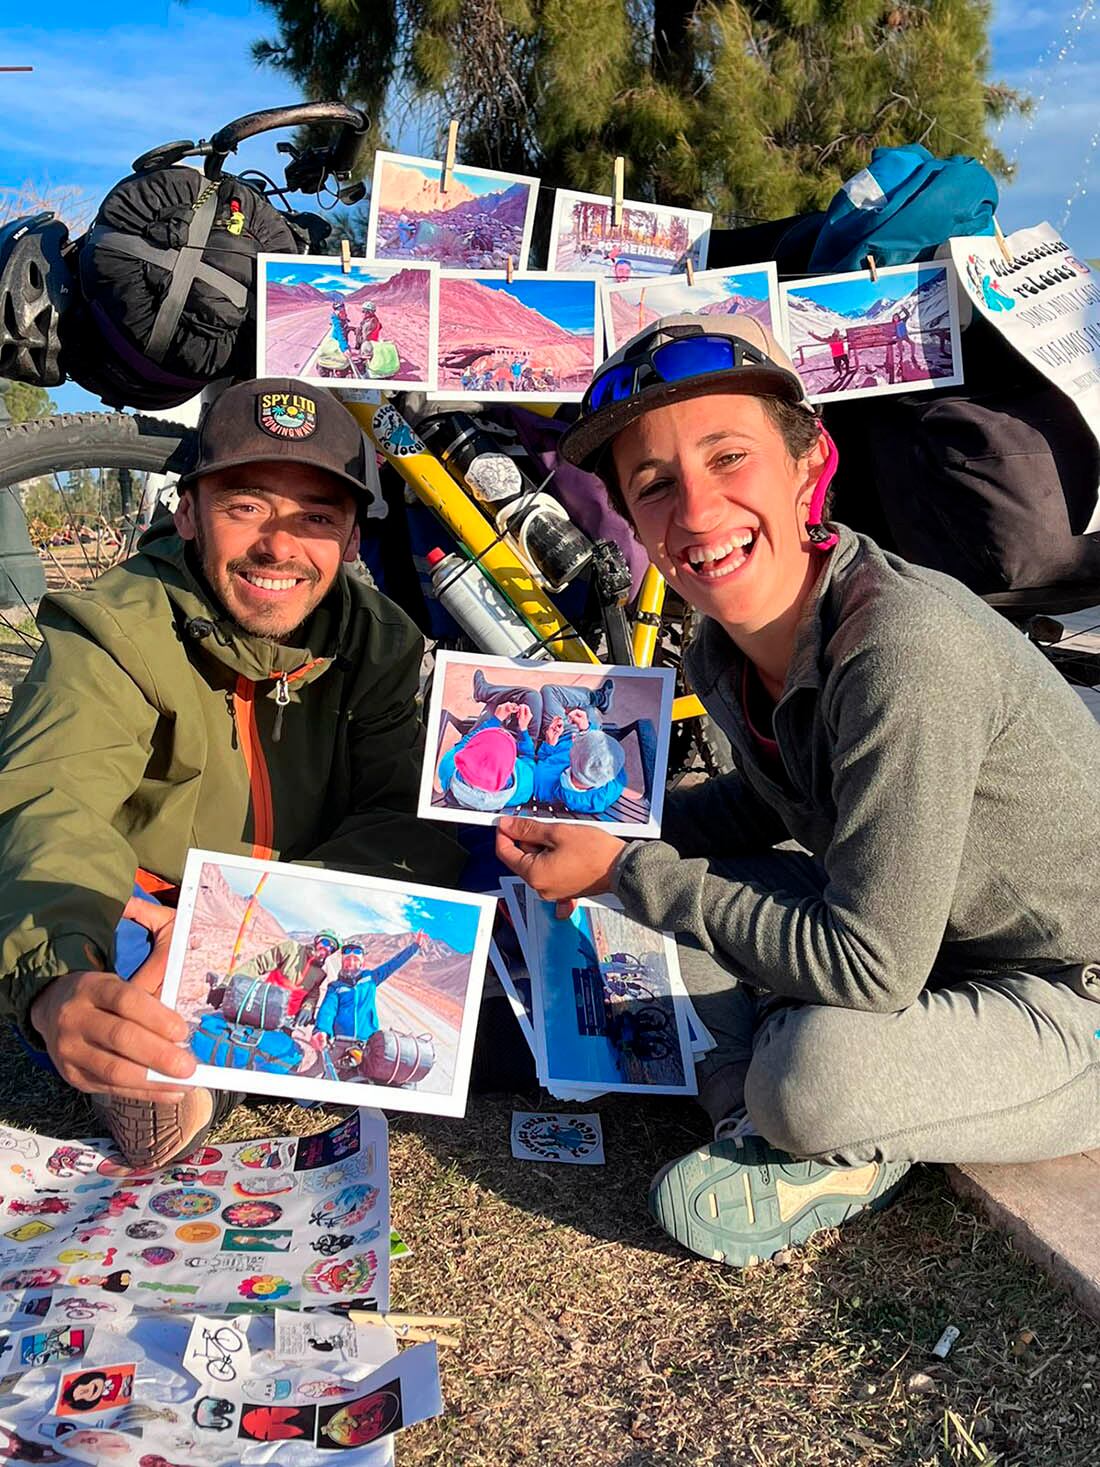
[72, 524]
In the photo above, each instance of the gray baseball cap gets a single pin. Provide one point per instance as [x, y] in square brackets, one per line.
[766, 371]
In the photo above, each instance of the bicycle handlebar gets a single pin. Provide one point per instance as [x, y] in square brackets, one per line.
[228, 138]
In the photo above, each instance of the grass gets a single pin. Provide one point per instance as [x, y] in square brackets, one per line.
[591, 1339]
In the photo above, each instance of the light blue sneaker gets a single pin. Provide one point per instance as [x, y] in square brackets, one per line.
[739, 1200]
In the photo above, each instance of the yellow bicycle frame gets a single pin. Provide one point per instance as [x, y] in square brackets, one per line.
[429, 480]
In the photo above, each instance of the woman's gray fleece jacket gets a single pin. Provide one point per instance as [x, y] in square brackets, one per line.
[933, 761]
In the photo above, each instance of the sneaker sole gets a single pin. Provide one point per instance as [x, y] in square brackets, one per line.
[740, 1204]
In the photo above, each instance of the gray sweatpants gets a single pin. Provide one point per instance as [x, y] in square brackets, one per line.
[987, 1069]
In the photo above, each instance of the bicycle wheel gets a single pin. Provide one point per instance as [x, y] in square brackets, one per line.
[84, 484]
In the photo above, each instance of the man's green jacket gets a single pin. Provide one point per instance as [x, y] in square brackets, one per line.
[149, 724]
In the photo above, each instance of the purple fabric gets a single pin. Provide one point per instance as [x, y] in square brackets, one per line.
[583, 495]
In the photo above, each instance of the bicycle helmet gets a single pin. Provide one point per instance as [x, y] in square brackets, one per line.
[36, 288]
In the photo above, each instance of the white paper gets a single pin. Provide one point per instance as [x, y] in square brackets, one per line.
[316, 1335]
[217, 1352]
[545, 1136]
[1045, 302]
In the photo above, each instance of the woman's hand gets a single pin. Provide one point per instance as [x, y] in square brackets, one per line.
[554, 730]
[559, 862]
[523, 716]
[579, 719]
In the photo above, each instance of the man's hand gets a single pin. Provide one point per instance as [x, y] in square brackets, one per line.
[554, 730]
[523, 716]
[559, 862]
[318, 1041]
[579, 719]
[103, 1032]
[504, 711]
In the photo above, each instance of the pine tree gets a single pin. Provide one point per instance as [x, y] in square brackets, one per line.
[749, 109]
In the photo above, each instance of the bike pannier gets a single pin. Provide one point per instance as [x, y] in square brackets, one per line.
[167, 278]
[254, 1001]
[238, 1046]
[397, 1059]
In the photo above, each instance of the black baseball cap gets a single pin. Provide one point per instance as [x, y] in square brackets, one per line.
[280, 420]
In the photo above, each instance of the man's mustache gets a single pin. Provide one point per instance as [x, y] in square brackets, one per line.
[265, 568]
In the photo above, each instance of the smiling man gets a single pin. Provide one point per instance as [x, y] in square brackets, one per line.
[232, 687]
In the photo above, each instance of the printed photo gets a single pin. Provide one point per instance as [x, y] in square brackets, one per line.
[348, 989]
[375, 325]
[548, 740]
[650, 239]
[851, 336]
[630, 307]
[535, 337]
[482, 219]
[609, 1010]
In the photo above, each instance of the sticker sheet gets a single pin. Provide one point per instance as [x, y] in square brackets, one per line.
[294, 1220]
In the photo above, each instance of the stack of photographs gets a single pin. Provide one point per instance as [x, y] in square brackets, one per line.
[599, 998]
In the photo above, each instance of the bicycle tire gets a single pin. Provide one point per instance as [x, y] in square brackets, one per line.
[92, 440]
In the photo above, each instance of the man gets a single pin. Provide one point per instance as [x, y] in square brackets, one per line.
[349, 1011]
[297, 966]
[231, 686]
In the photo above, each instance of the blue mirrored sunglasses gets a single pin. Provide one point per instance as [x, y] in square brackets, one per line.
[352, 950]
[673, 361]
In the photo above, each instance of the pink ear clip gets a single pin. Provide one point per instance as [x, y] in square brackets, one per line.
[822, 537]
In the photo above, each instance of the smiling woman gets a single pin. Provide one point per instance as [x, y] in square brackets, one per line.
[873, 997]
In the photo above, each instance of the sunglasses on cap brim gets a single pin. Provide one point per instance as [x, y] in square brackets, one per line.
[673, 361]
[352, 950]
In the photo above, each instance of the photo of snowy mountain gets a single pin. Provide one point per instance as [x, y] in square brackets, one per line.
[854, 336]
[751, 290]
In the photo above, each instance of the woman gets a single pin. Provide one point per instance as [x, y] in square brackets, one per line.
[918, 986]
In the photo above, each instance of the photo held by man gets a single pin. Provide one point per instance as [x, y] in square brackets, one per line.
[232, 686]
[915, 980]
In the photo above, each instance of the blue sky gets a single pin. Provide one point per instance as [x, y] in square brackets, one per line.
[113, 78]
[303, 906]
[323, 277]
[857, 296]
[571, 303]
[473, 181]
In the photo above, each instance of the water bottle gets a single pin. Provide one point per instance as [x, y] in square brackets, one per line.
[536, 525]
[481, 609]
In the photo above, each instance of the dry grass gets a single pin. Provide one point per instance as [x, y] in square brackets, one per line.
[592, 1340]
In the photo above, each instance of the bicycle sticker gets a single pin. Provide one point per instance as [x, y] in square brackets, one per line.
[393, 435]
[217, 1351]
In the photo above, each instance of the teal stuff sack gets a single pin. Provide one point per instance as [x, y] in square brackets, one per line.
[241, 1047]
[901, 208]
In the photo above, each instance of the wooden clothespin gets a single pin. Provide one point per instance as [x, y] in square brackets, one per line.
[508, 270]
[1001, 241]
[617, 193]
[873, 267]
[345, 256]
[690, 268]
[449, 157]
[416, 1327]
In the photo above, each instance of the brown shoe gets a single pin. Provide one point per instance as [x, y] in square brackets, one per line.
[151, 1134]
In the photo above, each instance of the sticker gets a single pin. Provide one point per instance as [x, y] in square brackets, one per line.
[328, 1146]
[345, 1209]
[198, 1232]
[277, 1423]
[393, 435]
[93, 1390]
[88, 1235]
[170, 1288]
[278, 1240]
[356, 1423]
[329, 1244]
[30, 1278]
[106, 1256]
[34, 1307]
[182, 1202]
[328, 1181]
[157, 1257]
[115, 1283]
[188, 1176]
[265, 1186]
[264, 1286]
[207, 1156]
[266, 1154]
[72, 1161]
[94, 1444]
[315, 1335]
[286, 414]
[28, 1230]
[217, 1351]
[49, 1346]
[353, 1275]
[252, 1214]
[37, 1207]
[214, 1413]
[147, 1230]
[19, 1142]
[74, 1308]
[114, 1205]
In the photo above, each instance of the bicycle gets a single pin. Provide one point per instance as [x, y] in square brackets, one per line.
[132, 457]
